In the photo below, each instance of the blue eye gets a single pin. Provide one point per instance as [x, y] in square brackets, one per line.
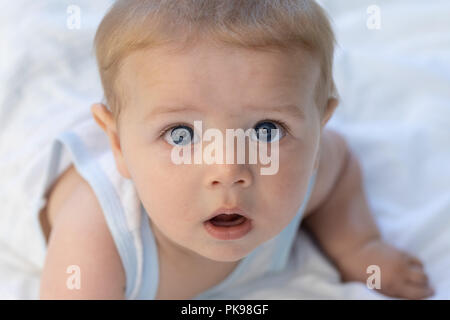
[179, 135]
[268, 131]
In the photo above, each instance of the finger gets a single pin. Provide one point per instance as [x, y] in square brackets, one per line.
[416, 275]
[415, 260]
[412, 291]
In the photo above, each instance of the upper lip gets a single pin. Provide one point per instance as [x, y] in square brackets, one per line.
[224, 210]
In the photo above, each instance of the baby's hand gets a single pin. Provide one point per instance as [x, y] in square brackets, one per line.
[402, 275]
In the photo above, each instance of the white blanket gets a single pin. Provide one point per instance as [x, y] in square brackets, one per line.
[395, 113]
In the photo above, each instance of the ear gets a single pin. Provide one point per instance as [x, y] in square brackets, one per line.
[105, 120]
[332, 103]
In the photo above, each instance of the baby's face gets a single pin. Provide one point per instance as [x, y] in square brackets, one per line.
[225, 88]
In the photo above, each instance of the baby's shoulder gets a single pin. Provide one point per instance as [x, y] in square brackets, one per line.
[79, 237]
[62, 191]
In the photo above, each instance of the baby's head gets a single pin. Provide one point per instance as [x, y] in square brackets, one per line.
[229, 64]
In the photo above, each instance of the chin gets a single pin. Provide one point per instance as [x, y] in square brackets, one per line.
[227, 254]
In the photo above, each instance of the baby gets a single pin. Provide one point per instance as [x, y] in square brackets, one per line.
[259, 64]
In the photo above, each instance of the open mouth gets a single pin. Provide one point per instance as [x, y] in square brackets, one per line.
[227, 220]
[230, 226]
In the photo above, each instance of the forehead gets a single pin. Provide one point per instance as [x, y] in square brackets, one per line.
[209, 75]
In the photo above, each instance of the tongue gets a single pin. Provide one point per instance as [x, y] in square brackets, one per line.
[227, 219]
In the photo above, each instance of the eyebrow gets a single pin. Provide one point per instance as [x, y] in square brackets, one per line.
[289, 109]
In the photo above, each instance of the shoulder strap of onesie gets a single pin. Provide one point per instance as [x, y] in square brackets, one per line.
[126, 240]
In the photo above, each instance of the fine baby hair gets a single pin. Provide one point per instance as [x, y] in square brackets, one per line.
[132, 25]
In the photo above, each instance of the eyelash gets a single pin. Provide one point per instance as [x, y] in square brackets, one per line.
[164, 131]
[279, 122]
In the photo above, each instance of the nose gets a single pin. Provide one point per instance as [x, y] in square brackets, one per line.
[228, 175]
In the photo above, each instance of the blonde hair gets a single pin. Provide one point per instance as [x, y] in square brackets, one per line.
[132, 25]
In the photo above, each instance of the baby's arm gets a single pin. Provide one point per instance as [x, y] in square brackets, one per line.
[80, 238]
[344, 228]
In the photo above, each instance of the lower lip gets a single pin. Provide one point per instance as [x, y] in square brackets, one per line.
[228, 233]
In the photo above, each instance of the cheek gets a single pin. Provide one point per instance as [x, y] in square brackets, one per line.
[286, 185]
[290, 183]
[163, 187]
[149, 167]
[295, 164]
